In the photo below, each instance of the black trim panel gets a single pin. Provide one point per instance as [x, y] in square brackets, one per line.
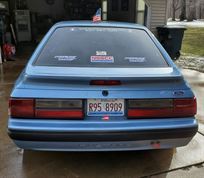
[103, 136]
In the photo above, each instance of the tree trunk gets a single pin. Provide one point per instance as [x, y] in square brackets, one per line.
[183, 11]
[174, 11]
[192, 10]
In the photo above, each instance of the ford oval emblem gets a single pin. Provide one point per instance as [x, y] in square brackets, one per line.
[179, 93]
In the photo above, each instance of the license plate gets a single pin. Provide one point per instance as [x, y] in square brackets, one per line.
[105, 107]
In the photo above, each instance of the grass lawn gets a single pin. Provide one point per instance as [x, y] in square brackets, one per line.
[193, 42]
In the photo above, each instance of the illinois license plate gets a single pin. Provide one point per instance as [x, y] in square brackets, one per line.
[105, 107]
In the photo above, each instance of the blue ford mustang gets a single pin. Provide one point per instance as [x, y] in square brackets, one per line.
[101, 87]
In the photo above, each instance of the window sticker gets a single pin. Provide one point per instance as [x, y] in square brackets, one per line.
[136, 59]
[97, 29]
[101, 53]
[102, 59]
[66, 58]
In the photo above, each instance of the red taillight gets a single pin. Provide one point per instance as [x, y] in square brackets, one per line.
[162, 108]
[105, 82]
[149, 113]
[49, 109]
[185, 107]
[23, 108]
[63, 114]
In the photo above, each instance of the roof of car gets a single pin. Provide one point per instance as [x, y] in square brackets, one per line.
[99, 24]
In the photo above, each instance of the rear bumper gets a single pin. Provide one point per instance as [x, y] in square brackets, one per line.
[102, 136]
[102, 146]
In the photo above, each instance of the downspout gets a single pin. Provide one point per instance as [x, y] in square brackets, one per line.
[149, 13]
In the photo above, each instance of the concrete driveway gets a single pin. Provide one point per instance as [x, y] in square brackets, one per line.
[181, 162]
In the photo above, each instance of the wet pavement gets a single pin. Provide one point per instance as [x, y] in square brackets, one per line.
[181, 162]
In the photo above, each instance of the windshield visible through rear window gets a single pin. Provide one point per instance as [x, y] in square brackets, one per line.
[100, 47]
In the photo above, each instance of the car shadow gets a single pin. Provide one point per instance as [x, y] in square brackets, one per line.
[96, 164]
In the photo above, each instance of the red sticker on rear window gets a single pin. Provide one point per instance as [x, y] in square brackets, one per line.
[102, 59]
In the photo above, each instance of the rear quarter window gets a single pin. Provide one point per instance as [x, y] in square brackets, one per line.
[100, 47]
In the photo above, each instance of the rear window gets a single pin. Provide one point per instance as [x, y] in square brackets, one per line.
[100, 47]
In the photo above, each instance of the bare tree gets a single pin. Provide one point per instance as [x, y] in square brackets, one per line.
[176, 5]
[198, 8]
[191, 10]
[183, 10]
[202, 9]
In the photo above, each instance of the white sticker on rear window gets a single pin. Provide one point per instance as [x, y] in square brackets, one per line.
[66, 58]
[135, 59]
[101, 53]
[102, 59]
[96, 29]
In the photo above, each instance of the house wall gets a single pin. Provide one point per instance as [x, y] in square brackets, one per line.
[42, 8]
[157, 14]
[120, 15]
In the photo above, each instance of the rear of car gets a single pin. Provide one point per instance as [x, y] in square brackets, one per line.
[101, 87]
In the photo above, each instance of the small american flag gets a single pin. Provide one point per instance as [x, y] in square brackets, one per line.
[97, 16]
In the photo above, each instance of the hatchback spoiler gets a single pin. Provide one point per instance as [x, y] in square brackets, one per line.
[103, 73]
